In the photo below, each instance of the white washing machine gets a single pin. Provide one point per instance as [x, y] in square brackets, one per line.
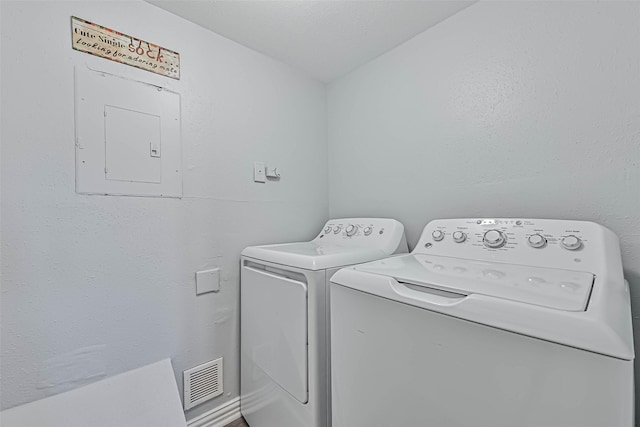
[487, 323]
[284, 304]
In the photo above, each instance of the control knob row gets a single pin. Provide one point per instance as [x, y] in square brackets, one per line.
[495, 239]
[570, 242]
[458, 236]
[350, 230]
[336, 229]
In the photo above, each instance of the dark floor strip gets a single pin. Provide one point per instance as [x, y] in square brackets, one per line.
[238, 423]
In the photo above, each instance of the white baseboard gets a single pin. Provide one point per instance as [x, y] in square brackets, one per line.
[218, 417]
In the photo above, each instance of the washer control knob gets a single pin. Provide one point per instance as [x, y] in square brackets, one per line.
[437, 235]
[337, 229]
[351, 230]
[368, 230]
[537, 241]
[571, 242]
[459, 236]
[327, 229]
[494, 239]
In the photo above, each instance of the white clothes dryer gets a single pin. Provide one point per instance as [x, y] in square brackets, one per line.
[284, 305]
[487, 323]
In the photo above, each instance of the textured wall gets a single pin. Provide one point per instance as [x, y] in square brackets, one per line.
[524, 109]
[95, 285]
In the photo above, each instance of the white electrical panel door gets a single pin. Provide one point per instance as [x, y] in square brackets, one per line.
[132, 145]
[127, 137]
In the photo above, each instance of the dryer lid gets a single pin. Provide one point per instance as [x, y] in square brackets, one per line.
[312, 255]
[547, 287]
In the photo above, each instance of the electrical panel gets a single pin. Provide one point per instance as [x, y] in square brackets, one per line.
[127, 137]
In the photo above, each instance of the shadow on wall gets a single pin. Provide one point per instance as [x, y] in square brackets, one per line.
[634, 288]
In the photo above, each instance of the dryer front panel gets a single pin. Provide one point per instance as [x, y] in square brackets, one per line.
[274, 328]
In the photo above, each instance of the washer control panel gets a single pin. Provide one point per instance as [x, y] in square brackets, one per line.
[513, 240]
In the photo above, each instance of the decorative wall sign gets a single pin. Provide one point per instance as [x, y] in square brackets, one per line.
[107, 43]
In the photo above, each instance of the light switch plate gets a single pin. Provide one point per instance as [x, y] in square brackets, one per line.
[207, 281]
[259, 173]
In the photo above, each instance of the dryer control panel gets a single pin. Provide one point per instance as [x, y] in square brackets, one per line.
[542, 242]
[372, 232]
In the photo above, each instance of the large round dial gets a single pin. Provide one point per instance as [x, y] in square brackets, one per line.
[351, 229]
[337, 229]
[437, 235]
[459, 236]
[571, 242]
[368, 230]
[327, 229]
[537, 241]
[494, 239]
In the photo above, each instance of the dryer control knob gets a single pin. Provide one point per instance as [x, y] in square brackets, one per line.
[494, 239]
[351, 230]
[571, 242]
[537, 241]
[437, 235]
[368, 231]
[337, 229]
[459, 236]
[327, 229]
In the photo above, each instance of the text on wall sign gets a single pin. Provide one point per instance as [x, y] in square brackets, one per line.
[115, 46]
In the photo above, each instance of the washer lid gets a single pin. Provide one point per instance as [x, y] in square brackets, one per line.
[553, 288]
[312, 255]
[481, 294]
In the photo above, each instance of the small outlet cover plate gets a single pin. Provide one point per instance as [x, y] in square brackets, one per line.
[207, 281]
[259, 173]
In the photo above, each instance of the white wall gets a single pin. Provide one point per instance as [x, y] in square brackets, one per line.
[115, 275]
[522, 109]
[525, 109]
